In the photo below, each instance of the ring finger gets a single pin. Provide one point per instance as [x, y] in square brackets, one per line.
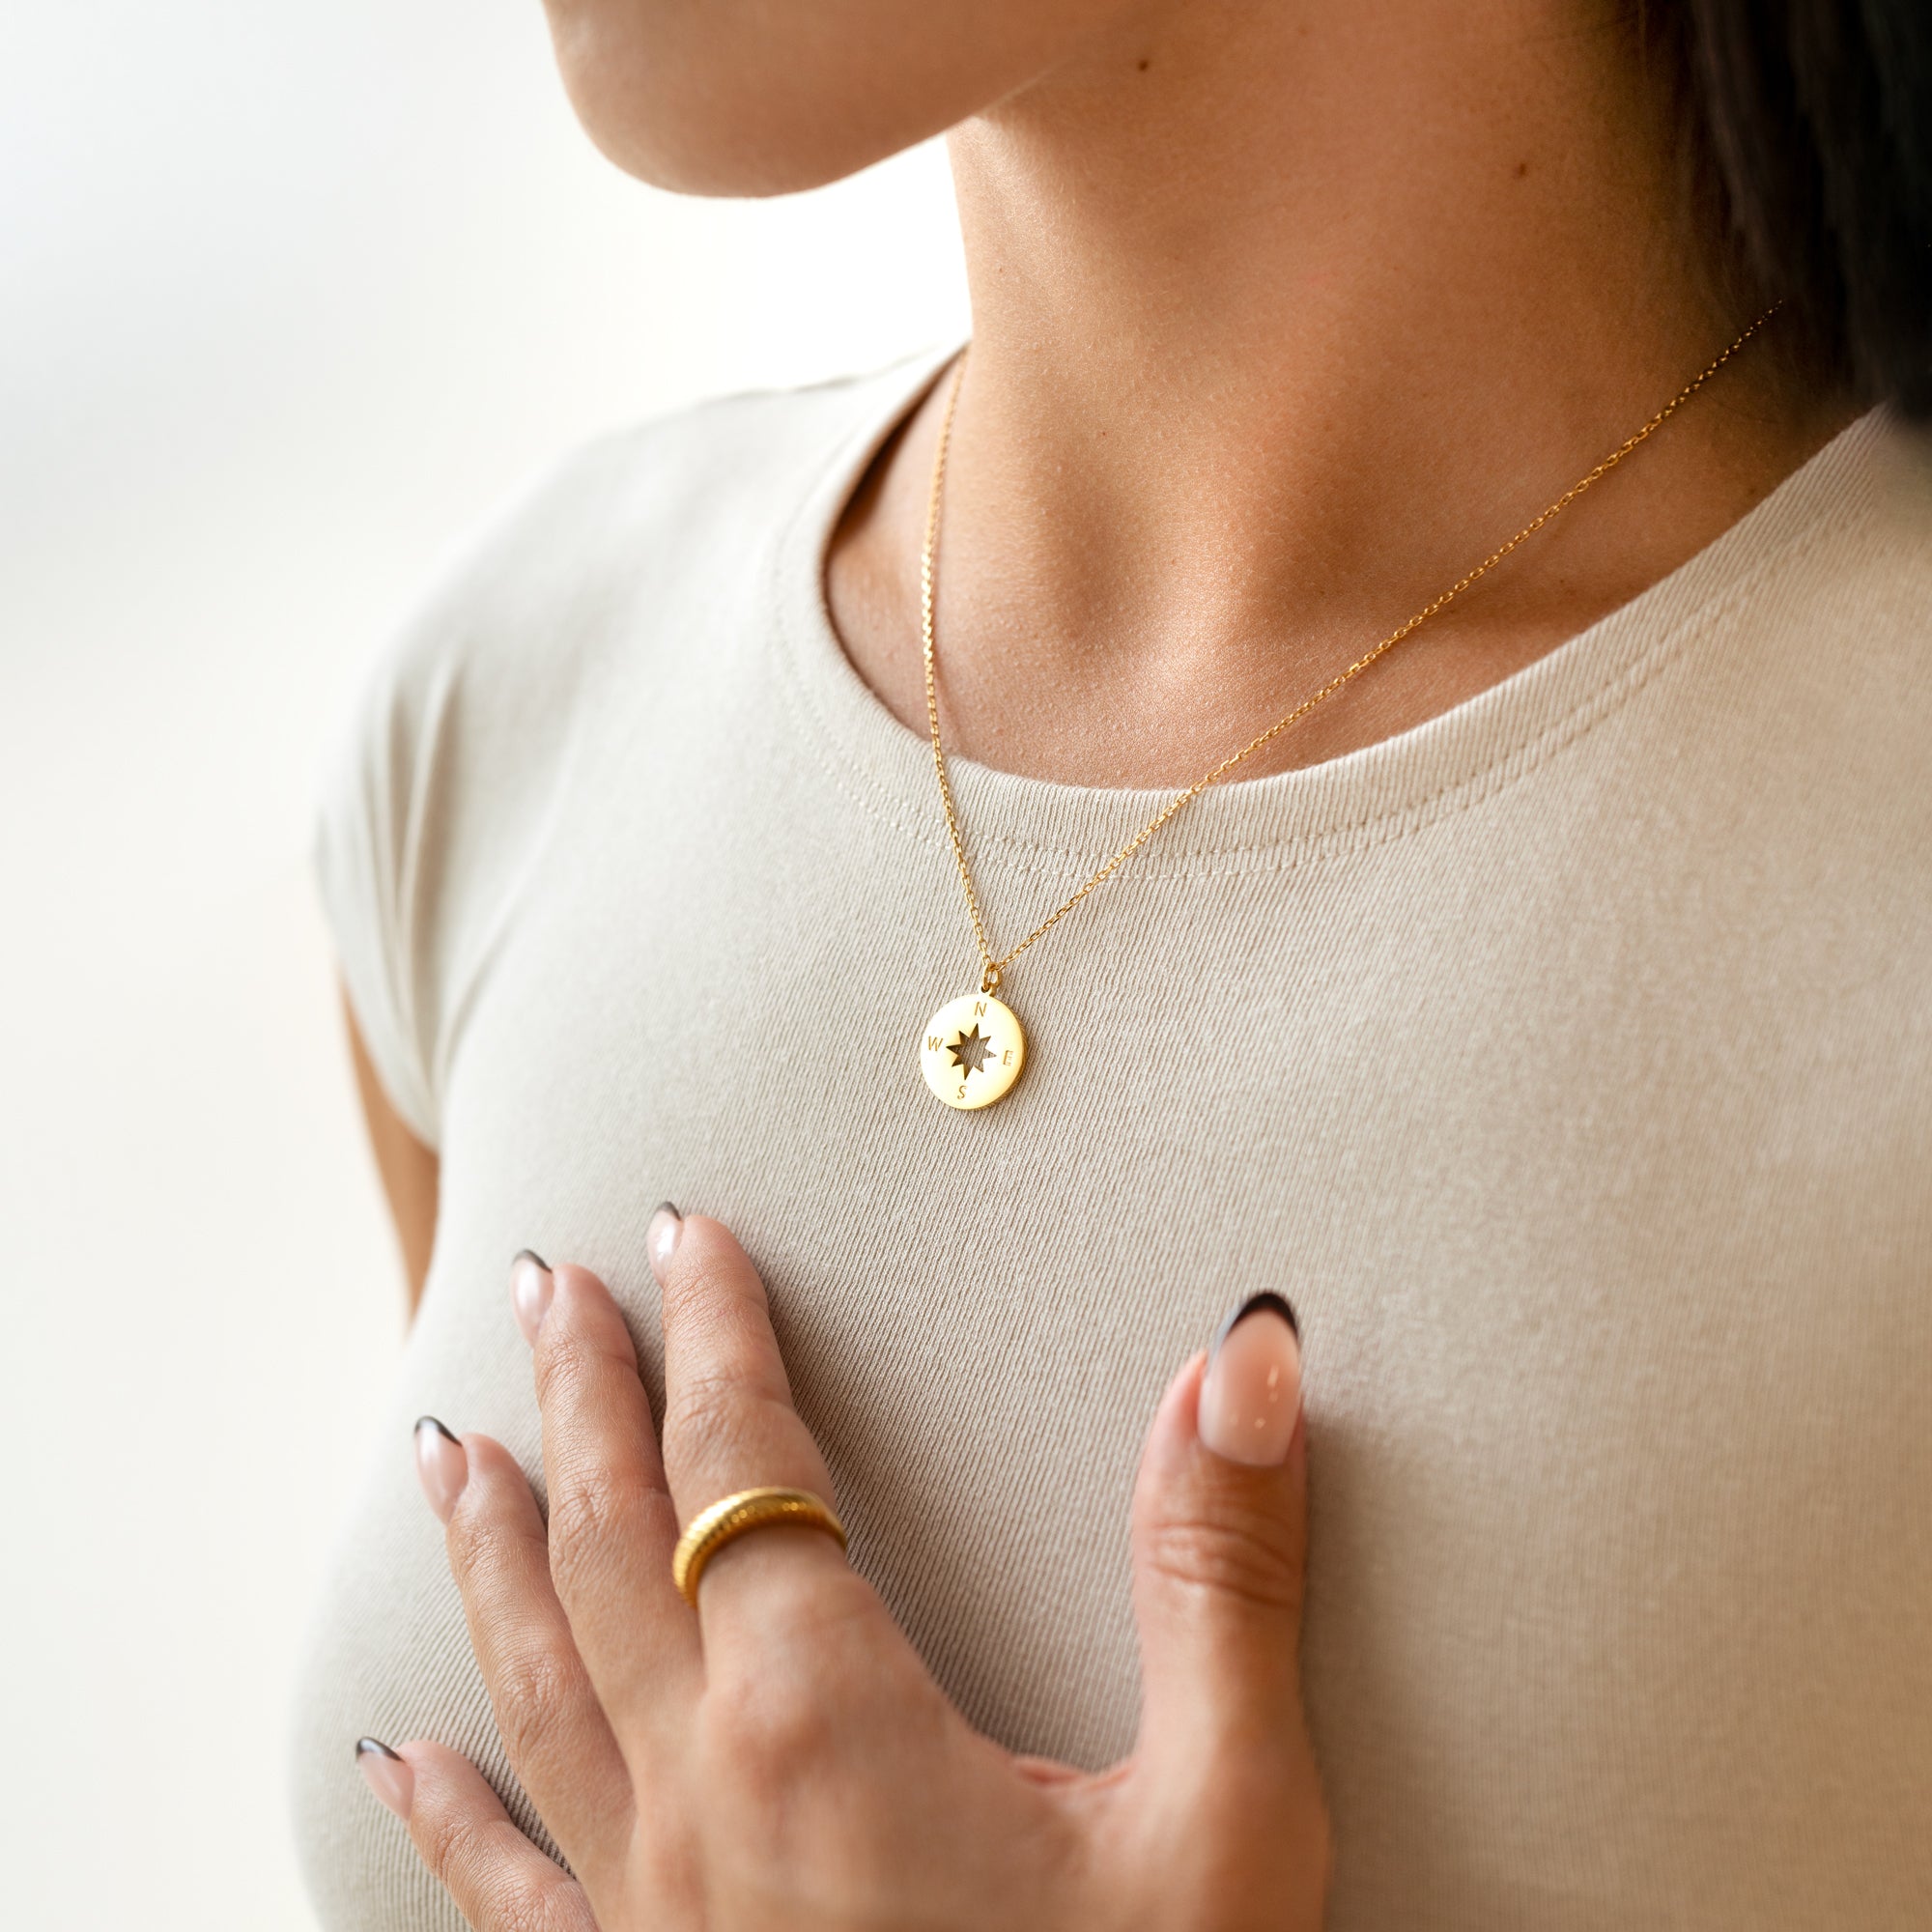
[730, 1425]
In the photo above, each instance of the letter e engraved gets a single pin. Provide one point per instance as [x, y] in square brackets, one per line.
[1006, 1058]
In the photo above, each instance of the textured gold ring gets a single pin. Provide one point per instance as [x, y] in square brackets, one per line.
[732, 1517]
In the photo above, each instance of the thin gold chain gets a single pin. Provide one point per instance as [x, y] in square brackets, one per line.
[994, 966]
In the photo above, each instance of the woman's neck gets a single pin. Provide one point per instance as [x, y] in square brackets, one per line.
[1283, 318]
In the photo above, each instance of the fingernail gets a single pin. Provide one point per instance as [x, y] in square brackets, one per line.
[530, 1290]
[1251, 1394]
[442, 1466]
[389, 1775]
[661, 1237]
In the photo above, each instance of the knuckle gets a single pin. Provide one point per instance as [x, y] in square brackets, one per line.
[590, 1512]
[533, 1691]
[481, 1544]
[696, 1282]
[559, 1366]
[710, 1418]
[583, 1343]
[519, 1903]
[768, 1735]
[491, 1871]
[1242, 1554]
[447, 1839]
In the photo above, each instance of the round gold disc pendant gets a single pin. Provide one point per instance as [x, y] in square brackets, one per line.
[972, 1051]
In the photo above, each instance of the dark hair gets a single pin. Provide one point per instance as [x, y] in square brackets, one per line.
[1807, 141]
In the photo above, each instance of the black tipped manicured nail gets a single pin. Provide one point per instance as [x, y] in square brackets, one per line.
[442, 1466]
[1267, 1298]
[662, 1230]
[1251, 1390]
[532, 1290]
[388, 1774]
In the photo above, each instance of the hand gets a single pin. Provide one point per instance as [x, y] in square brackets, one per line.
[782, 1758]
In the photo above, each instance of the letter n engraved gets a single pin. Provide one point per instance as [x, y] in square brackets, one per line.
[979, 1010]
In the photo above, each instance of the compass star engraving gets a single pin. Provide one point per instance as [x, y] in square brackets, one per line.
[972, 1050]
[974, 1034]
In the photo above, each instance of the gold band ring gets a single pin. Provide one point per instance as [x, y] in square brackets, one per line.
[731, 1517]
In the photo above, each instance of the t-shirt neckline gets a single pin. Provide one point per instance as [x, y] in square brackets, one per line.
[1399, 783]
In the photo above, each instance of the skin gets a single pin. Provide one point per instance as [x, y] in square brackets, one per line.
[781, 1758]
[1284, 314]
[411, 1172]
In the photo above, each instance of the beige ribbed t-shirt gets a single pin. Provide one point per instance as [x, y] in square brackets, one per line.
[1567, 1060]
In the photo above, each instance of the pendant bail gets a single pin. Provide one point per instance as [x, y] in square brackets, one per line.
[989, 980]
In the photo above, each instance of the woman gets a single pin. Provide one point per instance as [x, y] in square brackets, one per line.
[1544, 1009]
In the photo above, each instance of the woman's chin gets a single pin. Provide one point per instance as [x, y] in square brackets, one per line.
[666, 151]
[704, 102]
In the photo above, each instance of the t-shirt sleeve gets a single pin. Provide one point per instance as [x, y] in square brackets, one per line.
[374, 873]
[458, 757]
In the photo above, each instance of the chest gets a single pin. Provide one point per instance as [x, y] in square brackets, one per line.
[1595, 1174]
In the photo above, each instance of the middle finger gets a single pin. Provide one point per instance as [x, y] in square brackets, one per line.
[612, 1525]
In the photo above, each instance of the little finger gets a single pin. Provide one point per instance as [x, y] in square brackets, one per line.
[500, 1880]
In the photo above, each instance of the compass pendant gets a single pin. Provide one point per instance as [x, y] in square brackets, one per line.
[972, 1051]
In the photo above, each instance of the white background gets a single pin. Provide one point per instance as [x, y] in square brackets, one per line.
[290, 295]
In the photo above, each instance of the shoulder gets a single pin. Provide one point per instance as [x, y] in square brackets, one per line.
[1810, 715]
[616, 567]
[1856, 600]
[627, 522]
[1828, 602]
[1892, 500]
[579, 581]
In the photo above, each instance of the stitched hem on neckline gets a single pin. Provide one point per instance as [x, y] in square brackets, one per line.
[1457, 759]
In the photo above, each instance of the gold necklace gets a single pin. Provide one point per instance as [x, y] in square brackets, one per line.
[973, 1047]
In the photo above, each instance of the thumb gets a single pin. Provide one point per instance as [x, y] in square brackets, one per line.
[1220, 1539]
